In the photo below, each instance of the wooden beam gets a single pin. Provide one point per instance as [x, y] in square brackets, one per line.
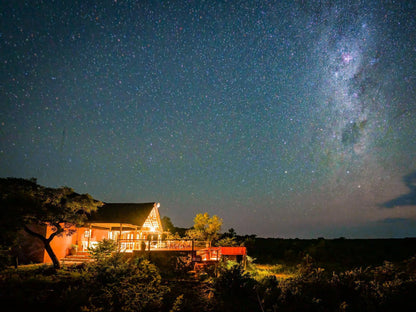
[89, 237]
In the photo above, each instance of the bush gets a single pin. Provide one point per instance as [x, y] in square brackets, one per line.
[121, 284]
[104, 249]
[234, 289]
[172, 265]
[114, 283]
[383, 288]
[268, 292]
[39, 288]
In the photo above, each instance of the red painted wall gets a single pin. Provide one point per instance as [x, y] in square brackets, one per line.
[60, 245]
[98, 235]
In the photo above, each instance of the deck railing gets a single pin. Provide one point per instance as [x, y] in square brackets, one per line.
[129, 245]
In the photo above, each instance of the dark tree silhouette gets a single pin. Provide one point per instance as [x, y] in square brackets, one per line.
[24, 203]
[167, 224]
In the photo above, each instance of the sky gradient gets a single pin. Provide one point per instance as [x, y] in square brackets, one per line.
[286, 119]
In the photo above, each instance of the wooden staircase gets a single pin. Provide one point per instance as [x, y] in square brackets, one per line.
[78, 258]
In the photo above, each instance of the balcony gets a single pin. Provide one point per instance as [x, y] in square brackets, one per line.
[130, 245]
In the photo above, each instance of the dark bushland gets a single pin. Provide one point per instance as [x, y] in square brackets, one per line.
[335, 254]
[115, 282]
[388, 287]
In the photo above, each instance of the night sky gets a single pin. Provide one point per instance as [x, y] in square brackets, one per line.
[285, 118]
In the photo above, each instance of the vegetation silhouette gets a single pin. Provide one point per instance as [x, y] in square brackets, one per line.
[28, 206]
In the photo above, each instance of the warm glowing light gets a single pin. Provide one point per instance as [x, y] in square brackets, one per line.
[152, 229]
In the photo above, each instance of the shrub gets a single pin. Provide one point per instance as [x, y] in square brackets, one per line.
[120, 284]
[268, 293]
[104, 249]
[234, 289]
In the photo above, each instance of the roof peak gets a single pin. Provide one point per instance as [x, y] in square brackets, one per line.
[131, 213]
[129, 203]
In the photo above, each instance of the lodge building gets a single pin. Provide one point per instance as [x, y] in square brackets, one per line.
[135, 227]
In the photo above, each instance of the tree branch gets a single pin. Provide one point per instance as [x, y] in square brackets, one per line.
[34, 233]
[58, 231]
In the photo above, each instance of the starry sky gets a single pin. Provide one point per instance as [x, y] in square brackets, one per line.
[285, 118]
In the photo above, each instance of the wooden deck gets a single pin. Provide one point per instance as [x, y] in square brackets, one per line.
[134, 245]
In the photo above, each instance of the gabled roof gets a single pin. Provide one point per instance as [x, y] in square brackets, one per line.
[126, 213]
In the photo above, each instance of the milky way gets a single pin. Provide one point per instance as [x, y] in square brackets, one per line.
[290, 119]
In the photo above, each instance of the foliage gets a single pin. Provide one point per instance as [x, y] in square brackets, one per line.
[308, 266]
[194, 234]
[103, 249]
[114, 283]
[388, 287]
[172, 265]
[117, 283]
[40, 288]
[16, 199]
[411, 267]
[230, 239]
[4, 257]
[189, 295]
[230, 233]
[177, 305]
[24, 203]
[267, 291]
[234, 288]
[172, 236]
[381, 288]
[120, 284]
[227, 242]
[333, 254]
[278, 271]
[205, 227]
[177, 232]
[167, 224]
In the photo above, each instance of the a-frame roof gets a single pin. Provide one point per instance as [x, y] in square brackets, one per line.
[126, 213]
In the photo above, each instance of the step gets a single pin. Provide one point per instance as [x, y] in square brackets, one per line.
[78, 258]
[80, 255]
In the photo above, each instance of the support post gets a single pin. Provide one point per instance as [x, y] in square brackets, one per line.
[135, 239]
[89, 236]
[119, 237]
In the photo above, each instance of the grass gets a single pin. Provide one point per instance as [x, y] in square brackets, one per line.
[280, 271]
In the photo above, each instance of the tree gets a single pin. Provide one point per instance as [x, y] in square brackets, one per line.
[228, 239]
[175, 232]
[103, 250]
[231, 233]
[205, 228]
[168, 225]
[227, 242]
[24, 204]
